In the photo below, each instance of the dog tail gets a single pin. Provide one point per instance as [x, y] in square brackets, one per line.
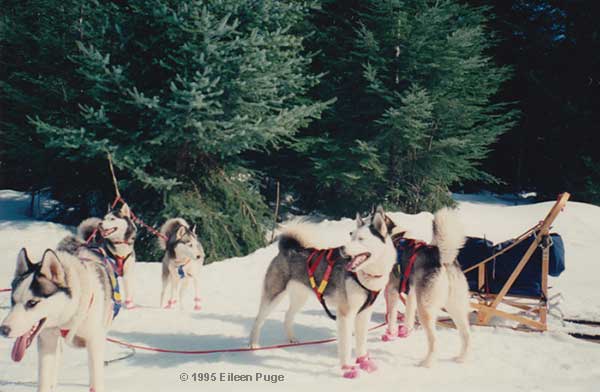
[289, 243]
[448, 234]
[304, 235]
[86, 228]
[169, 228]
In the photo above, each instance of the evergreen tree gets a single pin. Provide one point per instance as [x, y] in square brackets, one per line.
[178, 92]
[417, 113]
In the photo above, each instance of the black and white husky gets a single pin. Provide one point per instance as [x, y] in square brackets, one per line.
[109, 239]
[360, 268]
[181, 264]
[60, 296]
[435, 281]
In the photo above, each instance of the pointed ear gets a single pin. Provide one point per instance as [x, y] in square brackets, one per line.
[194, 229]
[23, 263]
[52, 268]
[389, 223]
[108, 208]
[359, 220]
[379, 222]
[125, 211]
[180, 233]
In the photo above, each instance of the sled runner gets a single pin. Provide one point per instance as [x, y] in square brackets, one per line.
[514, 274]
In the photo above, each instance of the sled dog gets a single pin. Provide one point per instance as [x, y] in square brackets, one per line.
[111, 239]
[435, 281]
[181, 263]
[60, 296]
[359, 269]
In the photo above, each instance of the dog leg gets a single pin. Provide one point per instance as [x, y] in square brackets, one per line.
[344, 332]
[267, 304]
[298, 295]
[361, 329]
[174, 277]
[391, 301]
[128, 282]
[460, 317]
[47, 353]
[428, 317]
[196, 293]
[165, 285]
[95, 347]
[411, 310]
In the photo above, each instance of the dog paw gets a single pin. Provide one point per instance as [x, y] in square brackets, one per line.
[254, 346]
[293, 340]
[400, 317]
[197, 307]
[460, 359]
[388, 336]
[349, 371]
[129, 305]
[403, 332]
[426, 363]
[366, 363]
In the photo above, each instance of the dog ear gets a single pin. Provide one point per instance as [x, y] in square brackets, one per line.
[23, 263]
[194, 229]
[359, 220]
[108, 209]
[389, 223]
[125, 210]
[379, 221]
[52, 267]
[180, 233]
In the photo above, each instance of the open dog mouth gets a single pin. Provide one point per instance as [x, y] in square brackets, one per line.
[357, 261]
[107, 232]
[24, 341]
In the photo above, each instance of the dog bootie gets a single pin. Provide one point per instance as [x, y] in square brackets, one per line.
[388, 336]
[129, 305]
[171, 304]
[197, 304]
[350, 371]
[403, 332]
[400, 317]
[366, 363]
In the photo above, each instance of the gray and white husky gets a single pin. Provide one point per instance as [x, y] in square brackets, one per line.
[60, 296]
[181, 264]
[435, 281]
[113, 238]
[360, 268]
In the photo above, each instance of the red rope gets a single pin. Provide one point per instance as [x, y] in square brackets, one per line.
[138, 220]
[5, 290]
[230, 350]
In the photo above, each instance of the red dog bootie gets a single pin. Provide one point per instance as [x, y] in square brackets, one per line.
[197, 303]
[388, 336]
[171, 304]
[366, 363]
[350, 371]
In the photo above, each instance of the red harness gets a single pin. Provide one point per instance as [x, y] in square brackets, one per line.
[320, 288]
[412, 246]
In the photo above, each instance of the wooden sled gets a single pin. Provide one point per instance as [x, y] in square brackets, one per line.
[529, 311]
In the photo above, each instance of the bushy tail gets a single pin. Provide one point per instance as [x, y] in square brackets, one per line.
[448, 234]
[71, 243]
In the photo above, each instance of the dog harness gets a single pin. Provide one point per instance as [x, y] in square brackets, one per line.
[311, 266]
[180, 270]
[409, 245]
[112, 266]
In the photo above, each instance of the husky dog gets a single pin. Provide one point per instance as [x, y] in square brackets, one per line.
[111, 238]
[360, 268]
[181, 264]
[436, 281]
[60, 296]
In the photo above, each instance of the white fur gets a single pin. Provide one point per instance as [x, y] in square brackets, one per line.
[87, 314]
[448, 234]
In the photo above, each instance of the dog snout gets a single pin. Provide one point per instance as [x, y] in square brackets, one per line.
[4, 330]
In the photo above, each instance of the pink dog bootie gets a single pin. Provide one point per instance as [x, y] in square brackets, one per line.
[197, 303]
[129, 305]
[171, 304]
[403, 332]
[350, 371]
[366, 363]
[388, 336]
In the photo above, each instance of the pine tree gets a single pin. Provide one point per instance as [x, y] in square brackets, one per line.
[178, 92]
[417, 113]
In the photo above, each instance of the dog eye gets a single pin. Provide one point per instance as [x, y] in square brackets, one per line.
[190, 245]
[31, 303]
[351, 233]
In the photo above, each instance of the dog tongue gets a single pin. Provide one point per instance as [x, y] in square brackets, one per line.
[18, 351]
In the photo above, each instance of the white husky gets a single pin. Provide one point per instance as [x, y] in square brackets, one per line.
[354, 273]
[61, 296]
[181, 264]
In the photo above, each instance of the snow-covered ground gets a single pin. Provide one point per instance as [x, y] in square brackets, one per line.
[502, 360]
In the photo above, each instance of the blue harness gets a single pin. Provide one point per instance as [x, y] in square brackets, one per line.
[111, 267]
[180, 271]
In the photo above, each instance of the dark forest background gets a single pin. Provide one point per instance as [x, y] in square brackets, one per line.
[206, 106]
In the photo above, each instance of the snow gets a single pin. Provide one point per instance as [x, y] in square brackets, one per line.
[501, 360]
